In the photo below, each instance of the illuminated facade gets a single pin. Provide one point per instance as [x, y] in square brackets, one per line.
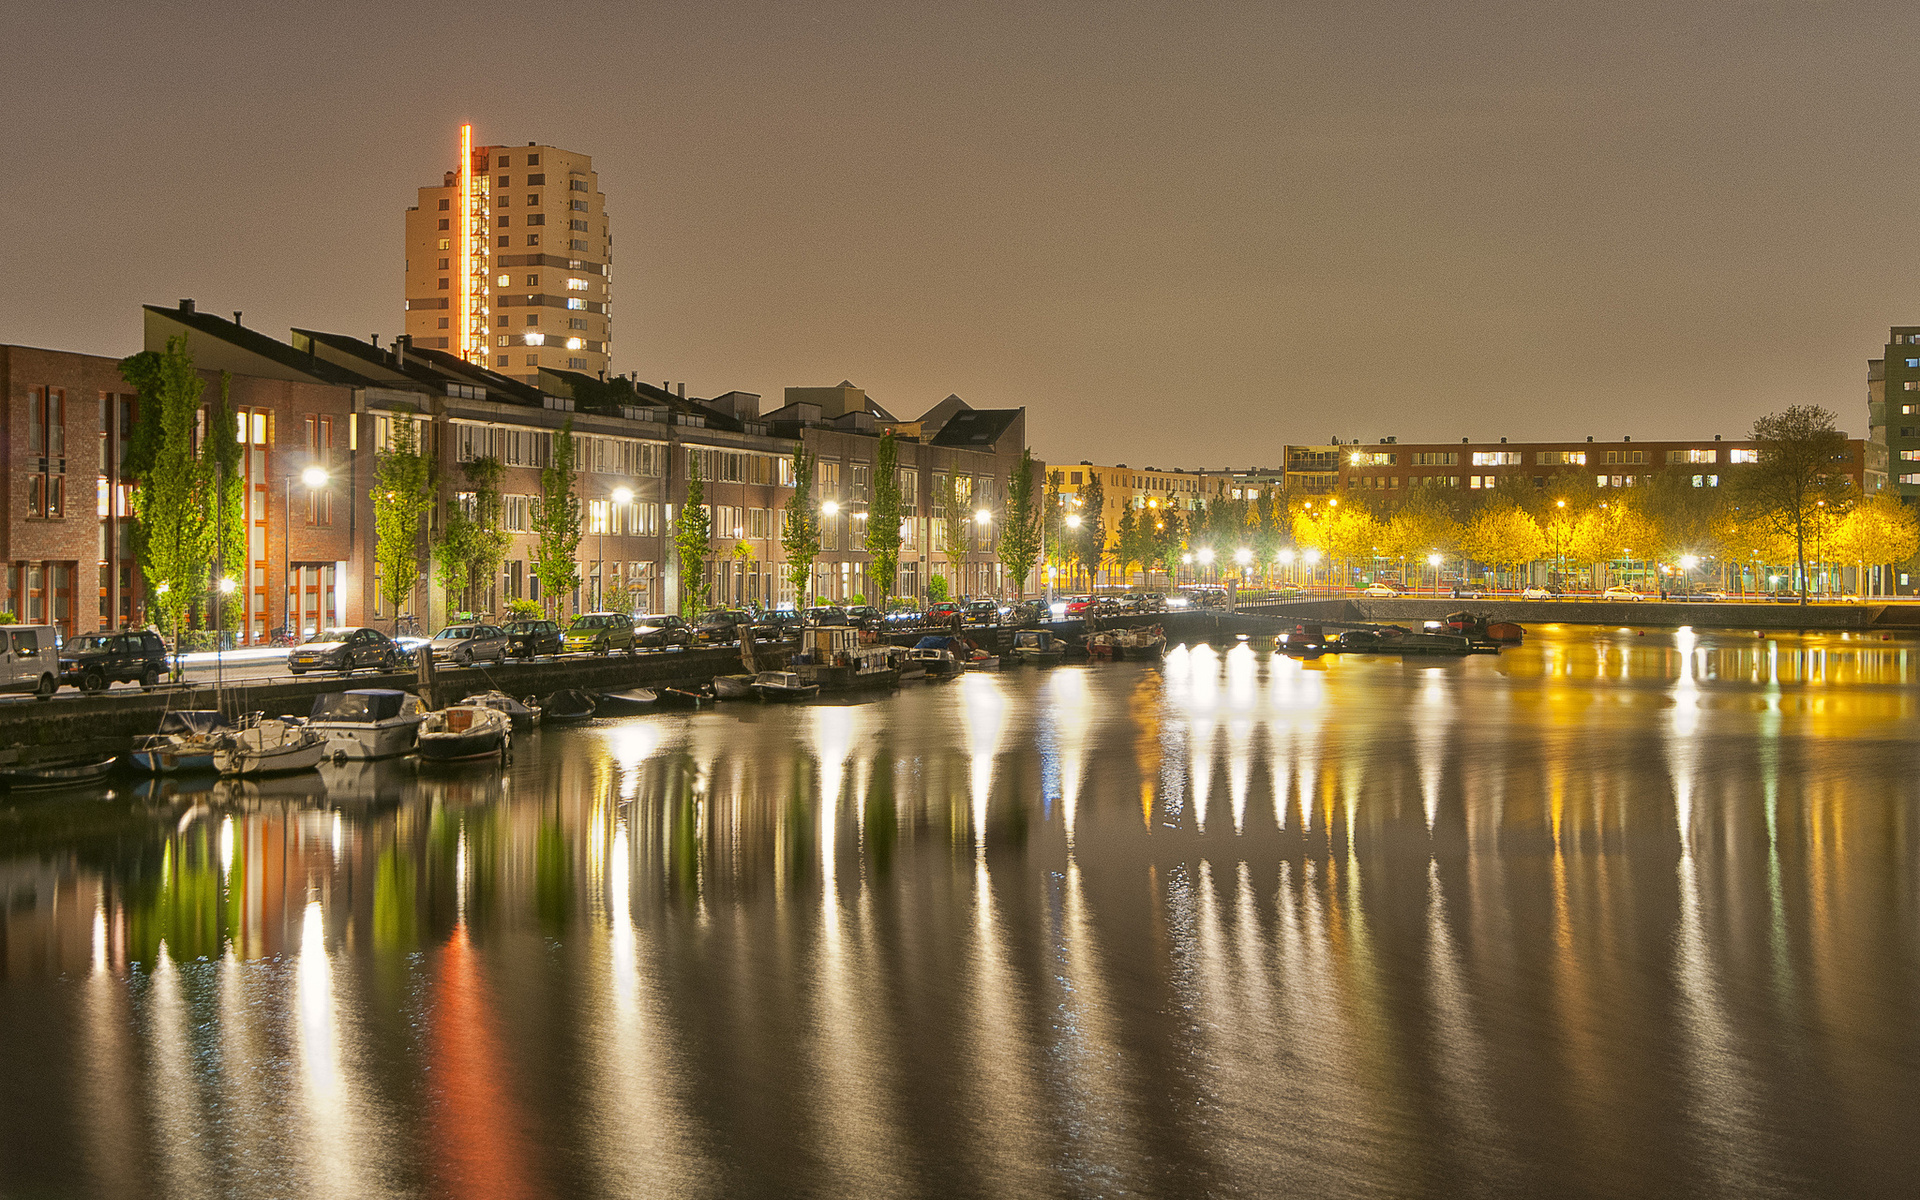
[509, 262]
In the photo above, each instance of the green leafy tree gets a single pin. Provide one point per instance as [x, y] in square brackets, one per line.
[1127, 551]
[1268, 530]
[1169, 536]
[402, 493]
[488, 541]
[693, 540]
[949, 510]
[1020, 528]
[884, 517]
[1053, 520]
[1091, 544]
[1422, 526]
[1503, 535]
[937, 588]
[1801, 450]
[170, 500]
[800, 535]
[220, 462]
[1879, 530]
[556, 523]
[452, 552]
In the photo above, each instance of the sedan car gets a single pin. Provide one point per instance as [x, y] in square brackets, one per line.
[782, 624]
[1470, 591]
[981, 612]
[525, 639]
[825, 614]
[721, 626]
[345, 651]
[1542, 593]
[464, 645]
[599, 633]
[865, 616]
[1382, 589]
[943, 612]
[1617, 592]
[661, 631]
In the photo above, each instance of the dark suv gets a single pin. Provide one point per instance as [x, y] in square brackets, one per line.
[93, 660]
[826, 614]
[982, 612]
[527, 639]
[721, 626]
[662, 630]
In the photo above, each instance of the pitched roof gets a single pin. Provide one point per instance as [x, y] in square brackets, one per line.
[977, 428]
[260, 344]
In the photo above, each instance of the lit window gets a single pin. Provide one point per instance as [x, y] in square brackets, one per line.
[536, 339]
[533, 281]
[533, 239]
[505, 280]
[574, 343]
[576, 304]
[1743, 456]
[504, 340]
[532, 200]
[576, 285]
[446, 243]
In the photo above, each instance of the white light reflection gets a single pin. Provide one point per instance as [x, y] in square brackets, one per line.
[983, 711]
[630, 744]
[1071, 706]
[226, 847]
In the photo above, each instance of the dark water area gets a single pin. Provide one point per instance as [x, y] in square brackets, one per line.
[1609, 914]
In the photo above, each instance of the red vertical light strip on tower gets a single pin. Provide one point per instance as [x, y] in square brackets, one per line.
[465, 261]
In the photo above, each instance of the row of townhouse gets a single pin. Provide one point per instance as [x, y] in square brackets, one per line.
[316, 409]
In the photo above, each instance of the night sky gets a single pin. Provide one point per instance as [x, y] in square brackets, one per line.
[1181, 235]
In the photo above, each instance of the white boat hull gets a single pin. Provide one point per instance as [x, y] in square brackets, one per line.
[276, 760]
[380, 739]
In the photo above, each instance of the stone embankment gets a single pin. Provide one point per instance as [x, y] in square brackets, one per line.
[1720, 615]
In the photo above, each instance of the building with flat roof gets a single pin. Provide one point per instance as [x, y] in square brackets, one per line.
[509, 262]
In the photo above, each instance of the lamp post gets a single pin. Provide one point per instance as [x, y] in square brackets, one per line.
[315, 477]
[1433, 560]
[1286, 560]
[983, 520]
[619, 498]
[828, 509]
[1313, 558]
[1073, 519]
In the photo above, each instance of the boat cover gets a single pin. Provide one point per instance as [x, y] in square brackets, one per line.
[368, 705]
[933, 643]
[191, 721]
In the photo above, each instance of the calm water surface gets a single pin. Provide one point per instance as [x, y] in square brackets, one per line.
[1609, 914]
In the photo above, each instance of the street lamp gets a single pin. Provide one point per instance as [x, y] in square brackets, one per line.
[1433, 560]
[315, 477]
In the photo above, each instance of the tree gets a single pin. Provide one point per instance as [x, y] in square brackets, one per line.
[1127, 543]
[1353, 532]
[948, 511]
[693, 540]
[1503, 535]
[884, 517]
[1020, 526]
[1799, 448]
[1683, 517]
[1423, 525]
[487, 541]
[220, 463]
[800, 536]
[1169, 535]
[1091, 544]
[1879, 530]
[402, 493]
[1615, 528]
[1268, 535]
[170, 501]
[556, 523]
[1054, 521]
[452, 554]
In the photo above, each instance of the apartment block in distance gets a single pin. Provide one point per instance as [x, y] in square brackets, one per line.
[509, 262]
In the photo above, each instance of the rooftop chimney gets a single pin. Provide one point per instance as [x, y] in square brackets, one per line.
[236, 316]
[683, 391]
[186, 306]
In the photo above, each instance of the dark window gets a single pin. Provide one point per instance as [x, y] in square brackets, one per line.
[579, 206]
[504, 180]
[503, 239]
[444, 206]
[505, 202]
[443, 285]
[444, 262]
[504, 222]
[576, 185]
[533, 160]
[578, 226]
[536, 219]
[445, 224]
[507, 160]
[533, 239]
[536, 180]
[533, 200]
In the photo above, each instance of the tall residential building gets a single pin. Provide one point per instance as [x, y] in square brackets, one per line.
[509, 262]
[1893, 414]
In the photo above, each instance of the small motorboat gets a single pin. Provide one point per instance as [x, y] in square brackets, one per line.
[185, 741]
[367, 722]
[462, 731]
[982, 661]
[783, 685]
[1505, 632]
[627, 703]
[1036, 646]
[733, 687]
[567, 706]
[687, 697]
[269, 746]
[29, 777]
[935, 656]
[525, 714]
[1305, 641]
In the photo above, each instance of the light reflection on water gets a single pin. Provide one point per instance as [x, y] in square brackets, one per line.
[1613, 912]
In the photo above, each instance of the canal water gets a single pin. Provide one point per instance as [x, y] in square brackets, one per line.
[1614, 913]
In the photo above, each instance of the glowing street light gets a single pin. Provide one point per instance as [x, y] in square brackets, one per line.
[830, 508]
[1689, 561]
[1285, 556]
[314, 477]
[1073, 520]
[982, 517]
[1243, 556]
[623, 495]
[1206, 556]
[227, 585]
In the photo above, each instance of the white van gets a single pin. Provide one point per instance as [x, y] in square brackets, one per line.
[29, 659]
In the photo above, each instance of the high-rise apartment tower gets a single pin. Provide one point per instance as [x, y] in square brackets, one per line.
[509, 261]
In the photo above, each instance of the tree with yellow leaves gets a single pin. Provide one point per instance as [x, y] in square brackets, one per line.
[1879, 530]
[1503, 535]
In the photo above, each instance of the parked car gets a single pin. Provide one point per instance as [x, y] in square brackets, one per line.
[779, 625]
[865, 616]
[1786, 596]
[464, 645]
[825, 614]
[943, 612]
[1471, 591]
[721, 626]
[1029, 612]
[660, 631]
[599, 633]
[1699, 596]
[345, 651]
[1150, 602]
[91, 661]
[1081, 606]
[29, 661]
[1548, 592]
[526, 639]
[981, 612]
[1617, 592]
[1383, 588]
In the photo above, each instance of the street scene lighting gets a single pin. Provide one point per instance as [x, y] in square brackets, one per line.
[623, 495]
[830, 508]
[1243, 556]
[314, 477]
[982, 517]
